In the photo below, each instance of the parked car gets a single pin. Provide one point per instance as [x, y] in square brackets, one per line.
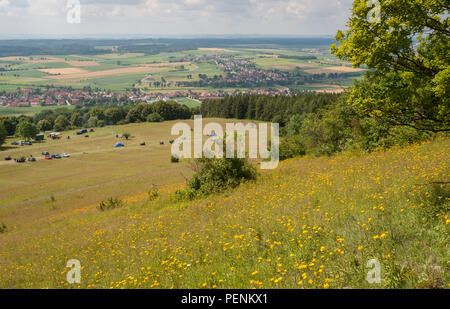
[56, 156]
[21, 160]
[15, 143]
[66, 155]
[31, 159]
[46, 153]
[28, 143]
[81, 132]
[8, 158]
[48, 157]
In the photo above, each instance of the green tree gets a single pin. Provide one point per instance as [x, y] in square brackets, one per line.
[406, 49]
[92, 122]
[113, 115]
[97, 112]
[61, 123]
[3, 134]
[27, 130]
[155, 117]
[44, 125]
[294, 124]
[10, 125]
[76, 120]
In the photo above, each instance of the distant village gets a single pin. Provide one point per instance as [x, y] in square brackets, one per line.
[26, 97]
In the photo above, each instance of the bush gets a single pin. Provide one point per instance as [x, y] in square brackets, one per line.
[292, 147]
[3, 228]
[217, 175]
[153, 194]
[329, 131]
[155, 117]
[110, 204]
[185, 195]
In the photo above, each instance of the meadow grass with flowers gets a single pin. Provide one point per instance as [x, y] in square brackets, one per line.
[312, 223]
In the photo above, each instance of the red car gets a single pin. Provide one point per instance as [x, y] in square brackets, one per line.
[48, 157]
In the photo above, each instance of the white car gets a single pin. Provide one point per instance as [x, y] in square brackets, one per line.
[66, 155]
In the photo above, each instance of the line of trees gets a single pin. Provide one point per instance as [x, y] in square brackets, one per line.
[266, 108]
[319, 124]
[62, 119]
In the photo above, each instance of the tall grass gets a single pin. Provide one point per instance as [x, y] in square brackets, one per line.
[313, 223]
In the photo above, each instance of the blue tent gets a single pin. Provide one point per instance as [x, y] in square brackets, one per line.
[119, 145]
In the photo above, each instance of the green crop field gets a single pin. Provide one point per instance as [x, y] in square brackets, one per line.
[28, 111]
[28, 72]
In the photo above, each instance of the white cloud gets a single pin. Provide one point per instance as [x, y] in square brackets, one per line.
[297, 9]
[178, 16]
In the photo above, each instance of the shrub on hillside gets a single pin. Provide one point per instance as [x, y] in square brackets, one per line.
[153, 194]
[110, 204]
[3, 228]
[292, 147]
[217, 175]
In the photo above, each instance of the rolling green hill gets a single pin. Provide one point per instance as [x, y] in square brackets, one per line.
[313, 223]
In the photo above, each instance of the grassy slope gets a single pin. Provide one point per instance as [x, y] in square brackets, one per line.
[313, 223]
[94, 172]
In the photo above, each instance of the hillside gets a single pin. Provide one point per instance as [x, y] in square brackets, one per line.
[313, 223]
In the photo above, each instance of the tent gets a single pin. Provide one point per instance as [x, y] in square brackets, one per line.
[39, 137]
[119, 145]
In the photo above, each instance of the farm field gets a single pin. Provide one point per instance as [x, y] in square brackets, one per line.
[95, 171]
[312, 223]
[28, 111]
[123, 71]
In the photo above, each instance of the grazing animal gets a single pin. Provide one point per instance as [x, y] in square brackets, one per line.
[161, 143]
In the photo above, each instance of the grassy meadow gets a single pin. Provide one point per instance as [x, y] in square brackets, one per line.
[94, 172]
[312, 223]
[28, 111]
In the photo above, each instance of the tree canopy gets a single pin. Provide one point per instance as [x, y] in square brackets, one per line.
[3, 134]
[27, 130]
[406, 47]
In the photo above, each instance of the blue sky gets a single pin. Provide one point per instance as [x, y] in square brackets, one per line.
[176, 17]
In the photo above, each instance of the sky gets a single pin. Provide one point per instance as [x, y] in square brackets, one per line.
[173, 17]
